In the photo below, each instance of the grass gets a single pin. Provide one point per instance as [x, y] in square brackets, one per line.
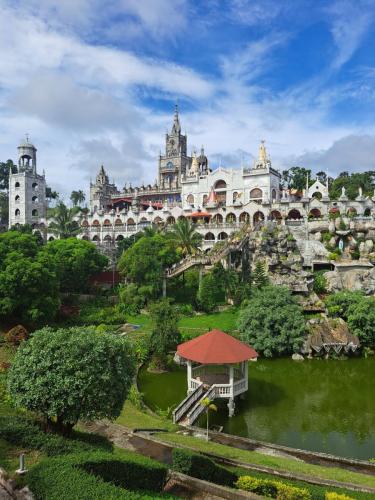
[133, 418]
[278, 463]
[317, 492]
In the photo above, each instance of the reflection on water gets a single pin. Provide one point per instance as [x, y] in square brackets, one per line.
[317, 405]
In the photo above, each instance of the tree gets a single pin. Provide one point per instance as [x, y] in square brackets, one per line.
[123, 245]
[272, 321]
[185, 237]
[259, 277]
[64, 224]
[352, 182]
[209, 406]
[72, 374]
[5, 169]
[208, 293]
[28, 279]
[165, 333]
[77, 197]
[4, 209]
[51, 195]
[76, 261]
[361, 321]
[295, 177]
[144, 262]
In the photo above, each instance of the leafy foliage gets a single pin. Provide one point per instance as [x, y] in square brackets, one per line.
[76, 261]
[273, 489]
[208, 293]
[272, 321]
[5, 168]
[338, 303]
[320, 282]
[352, 182]
[361, 321]
[28, 280]
[201, 467]
[259, 276]
[77, 197]
[72, 374]
[64, 224]
[295, 177]
[145, 261]
[185, 237]
[165, 333]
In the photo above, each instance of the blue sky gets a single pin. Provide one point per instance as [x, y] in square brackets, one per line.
[95, 82]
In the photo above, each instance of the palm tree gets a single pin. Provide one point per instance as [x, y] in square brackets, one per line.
[64, 224]
[208, 404]
[77, 197]
[186, 237]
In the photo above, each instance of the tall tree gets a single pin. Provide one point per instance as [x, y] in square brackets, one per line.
[295, 177]
[72, 374]
[64, 224]
[259, 277]
[352, 183]
[77, 197]
[165, 334]
[5, 168]
[185, 237]
[51, 195]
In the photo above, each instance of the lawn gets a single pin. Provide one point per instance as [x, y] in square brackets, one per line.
[132, 418]
[279, 463]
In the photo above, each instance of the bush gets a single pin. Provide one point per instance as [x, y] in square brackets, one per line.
[201, 467]
[361, 321]
[320, 282]
[133, 298]
[92, 314]
[273, 489]
[97, 476]
[338, 303]
[330, 495]
[16, 335]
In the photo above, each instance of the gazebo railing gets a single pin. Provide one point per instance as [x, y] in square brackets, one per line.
[239, 387]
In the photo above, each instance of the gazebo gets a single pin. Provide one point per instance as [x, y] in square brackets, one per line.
[217, 367]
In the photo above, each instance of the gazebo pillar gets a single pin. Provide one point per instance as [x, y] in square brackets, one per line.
[231, 396]
[189, 375]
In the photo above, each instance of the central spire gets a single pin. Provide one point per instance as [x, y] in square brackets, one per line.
[176, 128]
[262, 152]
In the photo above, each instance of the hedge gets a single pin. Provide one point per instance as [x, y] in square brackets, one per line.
[330, 495]
[201, 467]
[273, 489]
[25, 433]
[97, 476]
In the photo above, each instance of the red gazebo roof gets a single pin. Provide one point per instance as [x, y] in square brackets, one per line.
[216, 348]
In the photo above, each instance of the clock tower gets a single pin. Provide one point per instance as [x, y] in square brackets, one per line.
[174, 163]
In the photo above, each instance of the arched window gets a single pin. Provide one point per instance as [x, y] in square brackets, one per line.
[85, 237]
[230, 218]
[220, 185]
[275, 215]
[190, 199]
[107, 222]
[181, 217]
[256, 194]
[317, 195]
[51, 238]
[352, 211]
[118, 222]
[107, 238]
[315, 213]
[235, 196]
[130, 222]
[217, 219]
[17, 213]
[209, 237]
[222, 236]
[34, 213]
[17, 185]
[273, 194]
[158, 220]
[119, 237]
[96, 223]
[34, 199]
[294, 214]
[258, 217]
[95, 238]
[85, 223]
[171, 220]
[205, 199]
[34, 185]
[17, 198]
[244, 217]
[367, 212]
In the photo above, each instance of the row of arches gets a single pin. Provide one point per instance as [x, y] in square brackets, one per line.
[220, 191]
[34, 212]
[17, 199]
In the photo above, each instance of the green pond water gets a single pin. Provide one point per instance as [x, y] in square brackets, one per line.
[319, 405]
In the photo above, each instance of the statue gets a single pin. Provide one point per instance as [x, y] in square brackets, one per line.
[341, 244]
[343, 192]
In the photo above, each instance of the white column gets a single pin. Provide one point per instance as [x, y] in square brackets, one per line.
[189, 375]
[231, 380]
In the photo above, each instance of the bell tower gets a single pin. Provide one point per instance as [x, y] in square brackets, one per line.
[174, 163]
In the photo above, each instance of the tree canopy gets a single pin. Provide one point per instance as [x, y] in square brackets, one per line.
[5, 168]
[165, 334]
[72, 374]
[77, 197]
[76, 261]
[295, 177]
[28, 279]
[185, 237]
[145, 261]
[352, 182]
[272, 321]
[64, 224]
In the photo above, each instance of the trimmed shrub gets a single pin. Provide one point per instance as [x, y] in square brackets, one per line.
[16, 335]
[273, 489]
[201, 467]
[97, 476]
[331, 495]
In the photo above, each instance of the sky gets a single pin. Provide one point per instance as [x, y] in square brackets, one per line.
[95, 82]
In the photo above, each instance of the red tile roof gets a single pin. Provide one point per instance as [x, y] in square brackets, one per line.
[216, 347]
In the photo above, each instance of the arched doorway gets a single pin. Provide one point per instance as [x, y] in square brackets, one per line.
[95, 238]
[367, 212]
[222, 236]
[217, 219]
[275, 215]
[171, 220]
[220, 189]
[209, 237]
[119, 237]
[294, 214]
[315, 213]
[231, 218]
[258, 217]
[256, 194]
[107, 222]
[244, 218]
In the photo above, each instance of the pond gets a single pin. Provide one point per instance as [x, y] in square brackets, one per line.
[318, 405]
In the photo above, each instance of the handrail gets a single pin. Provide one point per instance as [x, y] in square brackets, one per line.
[199, 408]
[186, 403]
